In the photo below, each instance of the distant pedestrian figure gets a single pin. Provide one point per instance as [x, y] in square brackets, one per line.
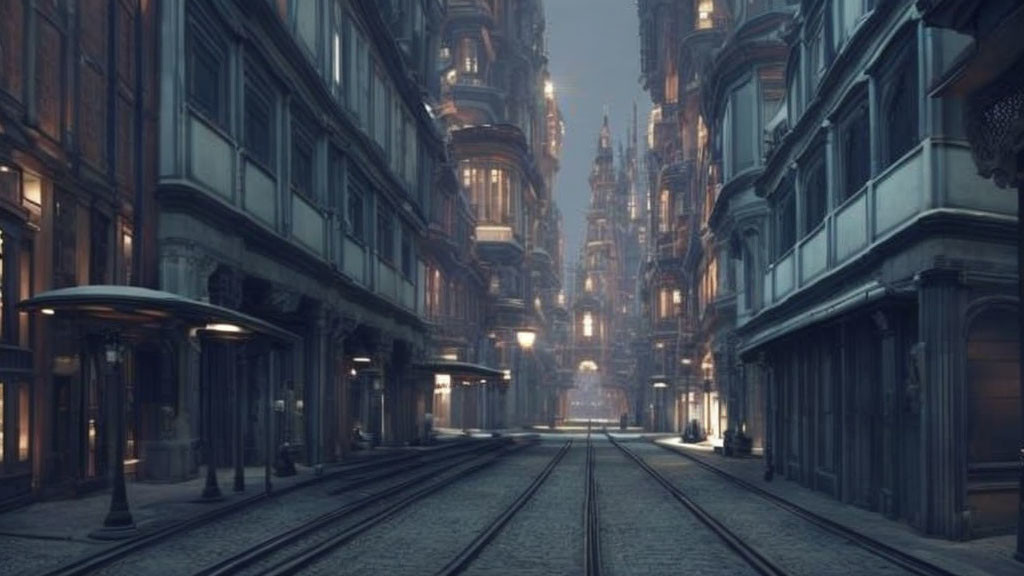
[284, 465]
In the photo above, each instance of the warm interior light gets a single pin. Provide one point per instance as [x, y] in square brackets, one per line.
[48, 311]
[549, 89]
[526, 338]
[352, 372]
[224, 327]
[687, 361]
[506, 374]
[450, 357]
[4, 169]
[362, 360]
[660, 385]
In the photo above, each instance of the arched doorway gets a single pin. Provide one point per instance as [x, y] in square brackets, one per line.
[993, 419]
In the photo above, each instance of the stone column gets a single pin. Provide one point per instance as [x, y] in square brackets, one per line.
[889, 462]
[941, 303]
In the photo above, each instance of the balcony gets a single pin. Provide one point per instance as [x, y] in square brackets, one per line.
[934, 181]
[498, 243]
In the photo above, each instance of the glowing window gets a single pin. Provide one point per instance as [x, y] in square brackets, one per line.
[588, 325]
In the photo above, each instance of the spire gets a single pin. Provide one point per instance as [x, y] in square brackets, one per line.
[605, 141]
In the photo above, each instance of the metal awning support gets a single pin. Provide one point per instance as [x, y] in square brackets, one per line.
[118, 310]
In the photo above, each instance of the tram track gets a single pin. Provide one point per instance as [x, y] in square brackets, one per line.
[751, 556]
[466, 556]
[591, 518]
[878, 548]
[291, 551]
[352, 477]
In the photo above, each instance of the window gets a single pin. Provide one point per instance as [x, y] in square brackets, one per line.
[337, 62]
[470, 59]
[665, 303]
[705, 10]
[23, 422]
[207, 75]
[258, 126]
[411, 152]
[356, 216]
[785, 220]
[385, 235]
[351, 93]
[380, 108]
[588, 284]
[751, 273]
[588, 325]
[794, 97]
[65, 231]
[303, 166]
[899, 106]
[855, 152]
[664, 212]
[815, 194]
[743, 119]
[406, 254]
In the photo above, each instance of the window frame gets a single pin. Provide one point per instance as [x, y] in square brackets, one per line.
[355, 197]
[386, 234]
[902, 61]
[255, 89]
[847, 136]
[199, 34]
[785, 209]
[303, 137]
[815, 167]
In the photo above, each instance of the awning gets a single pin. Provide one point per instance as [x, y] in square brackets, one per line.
[860, 296]
[456, 368]
[132, 306]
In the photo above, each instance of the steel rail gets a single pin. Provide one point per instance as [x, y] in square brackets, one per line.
[591, 519]
[470, 552]
[93, 562]
[886, 552]
[268, 547]
[751, 556]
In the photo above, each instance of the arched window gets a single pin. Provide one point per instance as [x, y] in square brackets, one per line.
[899, 105]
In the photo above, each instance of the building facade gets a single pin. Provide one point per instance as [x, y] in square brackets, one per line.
[77, 168]
[854, 281]
[297, 166]
[499, 107]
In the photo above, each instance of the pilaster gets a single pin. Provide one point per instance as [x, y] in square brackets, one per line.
[942, 298]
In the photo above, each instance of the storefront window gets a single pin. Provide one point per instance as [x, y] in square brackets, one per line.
[23, 422]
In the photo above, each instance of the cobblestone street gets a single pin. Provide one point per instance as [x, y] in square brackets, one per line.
[644, 529]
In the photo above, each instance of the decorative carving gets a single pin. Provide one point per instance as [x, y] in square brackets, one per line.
[915, 378]
[994, 118]
[225, 287]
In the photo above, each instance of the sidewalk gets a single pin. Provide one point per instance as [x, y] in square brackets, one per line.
[981, 557]
[52, 533]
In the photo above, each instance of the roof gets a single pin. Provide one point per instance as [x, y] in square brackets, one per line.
[143, 307]
[459, 368]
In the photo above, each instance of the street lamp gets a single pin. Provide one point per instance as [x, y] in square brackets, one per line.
[525, 338]
[119, 520]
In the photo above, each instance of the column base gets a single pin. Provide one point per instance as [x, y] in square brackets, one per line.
[115, 532]
[211, 494]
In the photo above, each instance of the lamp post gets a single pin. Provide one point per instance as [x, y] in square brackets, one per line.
[211, 490]
[525, 338]
[119, 522]
[686, 386]
[659, 405]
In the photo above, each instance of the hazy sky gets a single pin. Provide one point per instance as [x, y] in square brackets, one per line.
[594, 51]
